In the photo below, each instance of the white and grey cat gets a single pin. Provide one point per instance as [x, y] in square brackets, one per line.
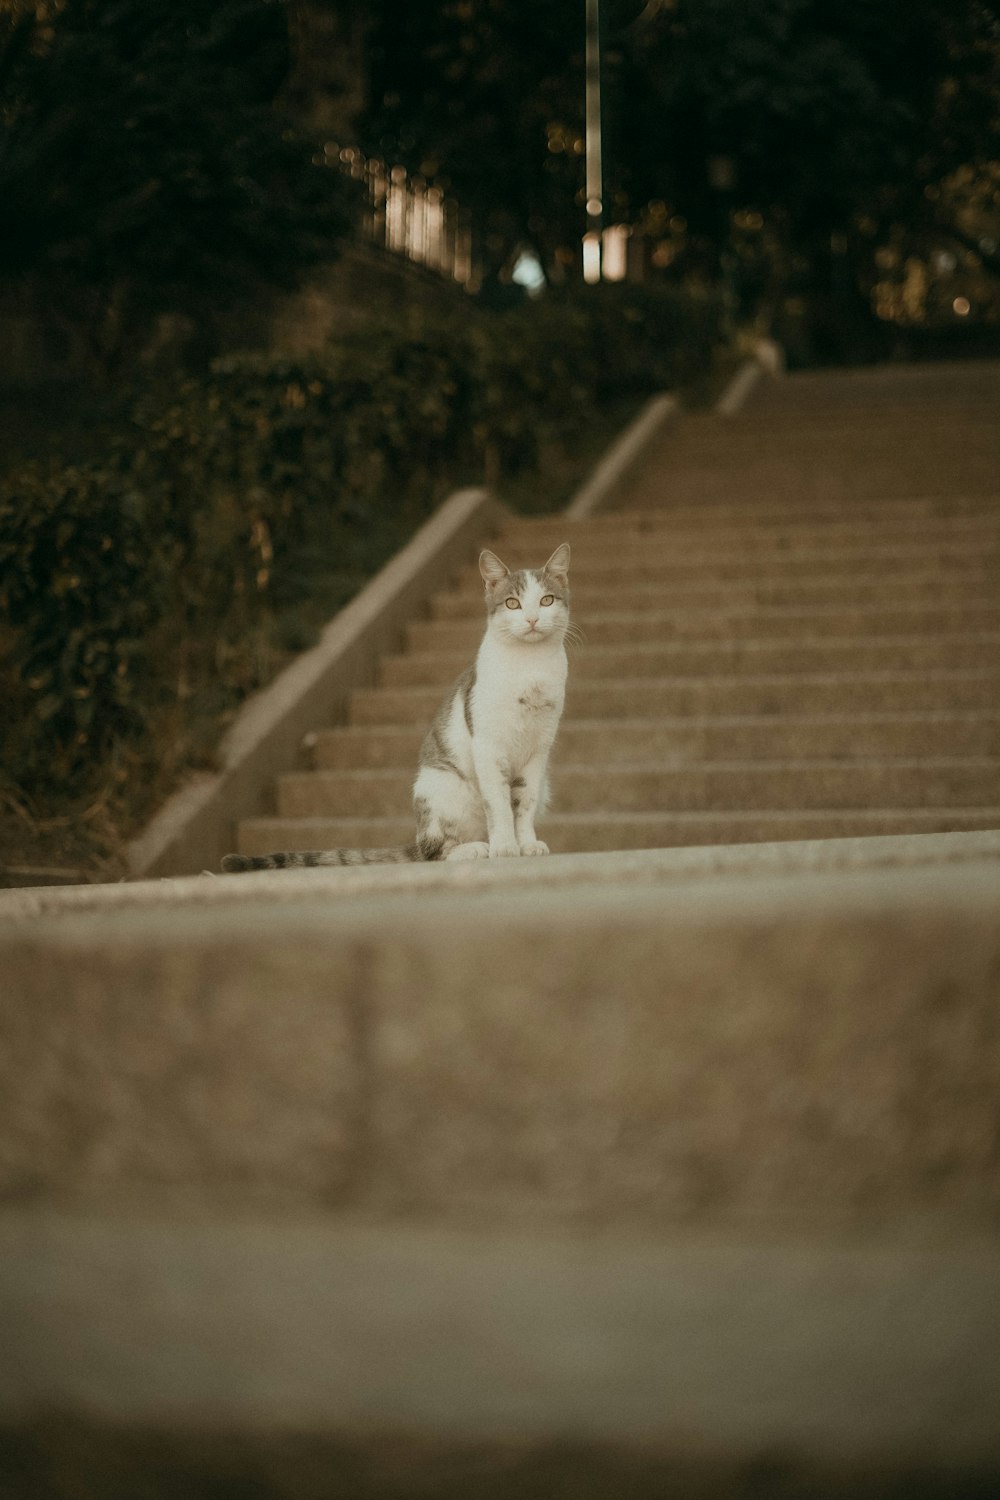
[481, 780]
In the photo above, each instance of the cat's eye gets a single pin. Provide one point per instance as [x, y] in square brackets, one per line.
[513, 604]
[547, 599]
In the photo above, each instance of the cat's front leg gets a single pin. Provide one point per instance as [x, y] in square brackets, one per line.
[527, 798]
[494, 788]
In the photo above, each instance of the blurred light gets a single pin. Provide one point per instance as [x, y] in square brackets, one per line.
[416, 224]
[528, 272]
[962, 306]
[616, 252]
[591, 258]
[594, 206]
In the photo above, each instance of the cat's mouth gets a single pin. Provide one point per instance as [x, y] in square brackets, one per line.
[530, 634]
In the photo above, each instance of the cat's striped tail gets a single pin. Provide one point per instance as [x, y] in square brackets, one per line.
[399, 854]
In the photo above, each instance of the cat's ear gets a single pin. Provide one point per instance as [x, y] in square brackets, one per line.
[492, 569]
[557, 567]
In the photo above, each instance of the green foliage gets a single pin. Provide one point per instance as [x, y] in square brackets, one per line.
[145, 158]
[81, 594]
[154, 586]
[819, 109]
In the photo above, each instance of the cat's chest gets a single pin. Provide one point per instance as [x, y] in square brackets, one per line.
[523, 704]
[536, 697]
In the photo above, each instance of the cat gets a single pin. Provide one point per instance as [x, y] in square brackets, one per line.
[481, 780]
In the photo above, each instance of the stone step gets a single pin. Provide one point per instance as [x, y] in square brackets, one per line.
[777, 591]
[546, 1177]
[578, 833]
[974, 509]
[672, 564]
[661, 534]
[804, 487]
[312, 1358]
[652, 787]
[714, 697]
[619, 627]
[678, 741]
[864, 437]
[729, 658]
[647, 1038]
[811, 479]
[821, 453]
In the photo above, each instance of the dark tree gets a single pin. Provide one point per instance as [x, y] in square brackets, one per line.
[145, 156]
[821, 127]
[823, 111]
[475, 94]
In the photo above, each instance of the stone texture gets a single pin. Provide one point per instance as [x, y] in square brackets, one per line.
[666, 1064]
[793, 1050]
[357, 1361]
[159, 1059]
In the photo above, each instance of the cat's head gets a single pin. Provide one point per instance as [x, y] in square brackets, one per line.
[531, 604]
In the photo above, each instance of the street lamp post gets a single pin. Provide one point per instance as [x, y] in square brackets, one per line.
[595, 170]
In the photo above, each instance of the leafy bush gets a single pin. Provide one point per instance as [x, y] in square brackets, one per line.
[82, 591]
[229, 497]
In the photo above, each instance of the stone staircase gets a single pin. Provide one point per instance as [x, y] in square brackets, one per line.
[665, 1171]
[749, 672]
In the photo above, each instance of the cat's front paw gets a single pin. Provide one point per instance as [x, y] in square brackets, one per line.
[504, 851]
[535, 847]
[469, 851]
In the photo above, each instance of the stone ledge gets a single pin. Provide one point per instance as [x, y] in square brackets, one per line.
[436, 1361]
[640, 866]
[628, 449]
[797, 1048]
